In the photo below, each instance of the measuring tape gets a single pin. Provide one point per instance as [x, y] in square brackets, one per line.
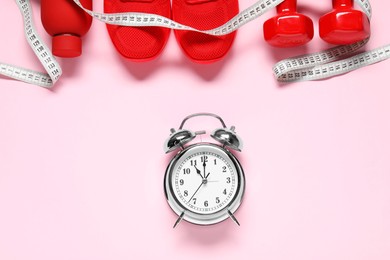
[314, 66]
[40, 49]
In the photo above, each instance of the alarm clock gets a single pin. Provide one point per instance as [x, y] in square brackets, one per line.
[204, 182]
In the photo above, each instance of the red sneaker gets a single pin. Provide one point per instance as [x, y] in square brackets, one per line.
[204, 15]
[138, 43]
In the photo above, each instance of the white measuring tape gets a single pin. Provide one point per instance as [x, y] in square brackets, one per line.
[40, 49]
[307, 67]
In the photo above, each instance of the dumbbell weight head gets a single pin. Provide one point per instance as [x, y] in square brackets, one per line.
[288, 28]
[344, 25]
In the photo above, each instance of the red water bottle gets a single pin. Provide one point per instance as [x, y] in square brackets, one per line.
[67, 23]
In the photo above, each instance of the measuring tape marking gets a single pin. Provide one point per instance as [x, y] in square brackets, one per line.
[309, 60]
[337, 68]
[365, 6]
[43, 53]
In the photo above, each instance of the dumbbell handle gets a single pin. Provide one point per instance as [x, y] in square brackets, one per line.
[342, 3]
[287, 6]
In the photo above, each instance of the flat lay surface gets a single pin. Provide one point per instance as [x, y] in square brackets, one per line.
[82, 165]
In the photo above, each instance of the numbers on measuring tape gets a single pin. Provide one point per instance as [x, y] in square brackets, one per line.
[335, 68]
[315, 66]
[43, 53]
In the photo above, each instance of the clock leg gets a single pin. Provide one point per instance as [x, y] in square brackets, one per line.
[233, 218]
[179, 219]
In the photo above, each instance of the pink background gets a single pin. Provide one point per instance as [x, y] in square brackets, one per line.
[82, 166]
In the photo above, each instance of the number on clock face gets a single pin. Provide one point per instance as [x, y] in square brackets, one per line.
[205, 182]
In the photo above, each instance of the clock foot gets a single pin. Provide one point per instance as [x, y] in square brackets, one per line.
[179, 219]
[233, 218]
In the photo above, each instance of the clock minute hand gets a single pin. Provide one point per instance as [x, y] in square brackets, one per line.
[204, 167]
[196, 190]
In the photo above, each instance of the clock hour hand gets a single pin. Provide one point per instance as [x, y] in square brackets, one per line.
[198, 172]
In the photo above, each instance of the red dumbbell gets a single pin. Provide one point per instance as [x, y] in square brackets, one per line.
[288, 28]
[344, 25]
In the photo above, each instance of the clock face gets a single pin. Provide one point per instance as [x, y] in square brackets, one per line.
[204, 179]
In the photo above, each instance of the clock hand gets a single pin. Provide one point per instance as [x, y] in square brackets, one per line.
[203, 181]
[198, 172]
[204, 166]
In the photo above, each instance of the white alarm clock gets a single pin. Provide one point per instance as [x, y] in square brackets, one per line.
[204, 182]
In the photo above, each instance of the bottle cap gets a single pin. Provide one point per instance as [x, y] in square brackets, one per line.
[67, 46]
